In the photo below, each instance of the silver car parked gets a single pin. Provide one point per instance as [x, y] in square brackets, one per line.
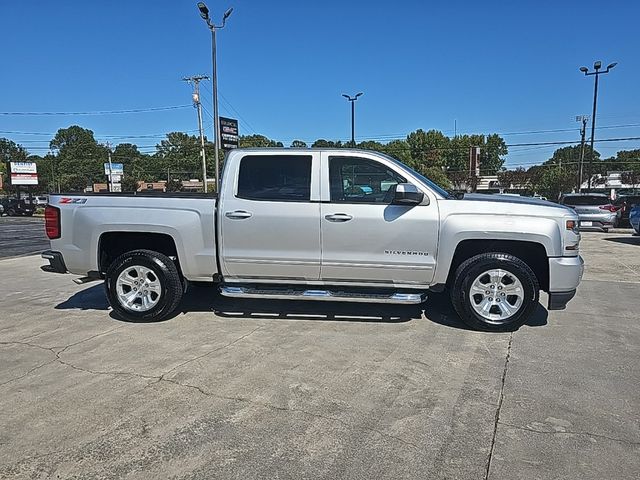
[594, 209]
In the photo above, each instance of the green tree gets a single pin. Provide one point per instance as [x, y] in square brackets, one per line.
[178, 153]
[129, 183]
[10, 151]
[371, 145]
[135, 163]
[428, 149]
[322, 143]
[298, 144]
[517, 179]
[427, 152]
[398, 149]
[256, 141]
[79, 157]
[491, 153]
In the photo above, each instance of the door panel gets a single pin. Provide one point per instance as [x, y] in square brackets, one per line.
[270, 229]
[380, 243]
[364, 236]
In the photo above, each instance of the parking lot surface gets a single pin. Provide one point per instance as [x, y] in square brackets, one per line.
[22, 236]
[230, 389]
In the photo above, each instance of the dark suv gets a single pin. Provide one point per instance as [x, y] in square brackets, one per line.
[625, 203]
[13, 207]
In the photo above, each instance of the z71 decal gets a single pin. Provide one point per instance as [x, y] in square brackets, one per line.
[72, 200]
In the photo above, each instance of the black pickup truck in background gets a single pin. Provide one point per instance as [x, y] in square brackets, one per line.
[13, 207]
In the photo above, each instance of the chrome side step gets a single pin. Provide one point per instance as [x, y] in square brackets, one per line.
[315, 294]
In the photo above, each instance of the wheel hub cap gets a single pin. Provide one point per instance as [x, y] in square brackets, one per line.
[138, 288]
[496, 295]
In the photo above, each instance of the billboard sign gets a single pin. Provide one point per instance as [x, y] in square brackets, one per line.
[228, 133]
[116, 169]
[23, 173]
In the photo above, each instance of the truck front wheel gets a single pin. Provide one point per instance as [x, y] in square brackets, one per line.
[494, 291]
[143, 285]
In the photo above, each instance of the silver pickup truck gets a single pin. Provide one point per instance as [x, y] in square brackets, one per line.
[344, 225]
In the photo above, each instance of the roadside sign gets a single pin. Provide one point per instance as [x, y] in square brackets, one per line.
[116, 187]
[116, 178]
[23, 173]
[116, 169]
[228, 133]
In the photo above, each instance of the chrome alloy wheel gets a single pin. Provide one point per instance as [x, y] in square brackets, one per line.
[138, 288]
[496, 295]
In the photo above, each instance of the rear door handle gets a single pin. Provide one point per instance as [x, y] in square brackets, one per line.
[338, 217]
[238, 214]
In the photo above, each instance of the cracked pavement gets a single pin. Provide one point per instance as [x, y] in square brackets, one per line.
[230, 389]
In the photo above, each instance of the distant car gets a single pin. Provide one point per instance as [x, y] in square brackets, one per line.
[625, 203]
[41, 200]
[594, 209]
[634, 218]
[13, 207]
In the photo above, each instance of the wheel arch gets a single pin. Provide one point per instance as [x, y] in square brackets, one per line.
[533, 254]
[114, 243]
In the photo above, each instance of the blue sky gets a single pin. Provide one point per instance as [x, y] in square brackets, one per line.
[498, 66]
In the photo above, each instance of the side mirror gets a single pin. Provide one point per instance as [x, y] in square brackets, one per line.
[407, 194]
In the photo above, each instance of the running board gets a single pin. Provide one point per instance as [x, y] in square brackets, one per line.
[329, 295]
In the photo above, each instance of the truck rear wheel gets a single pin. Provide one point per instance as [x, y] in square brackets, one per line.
[143, 285]
[495, 292]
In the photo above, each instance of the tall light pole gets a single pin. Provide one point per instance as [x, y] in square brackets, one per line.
[353, 115]
[204, 13]
[196, 79]
[597, 72]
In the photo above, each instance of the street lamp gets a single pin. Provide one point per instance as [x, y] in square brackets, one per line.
[204, 13]
[353, 114]
[597, 72]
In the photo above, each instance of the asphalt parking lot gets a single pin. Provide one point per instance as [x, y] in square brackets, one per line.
[22, 236]
[305, 390]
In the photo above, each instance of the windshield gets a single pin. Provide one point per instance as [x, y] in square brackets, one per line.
[427, 182]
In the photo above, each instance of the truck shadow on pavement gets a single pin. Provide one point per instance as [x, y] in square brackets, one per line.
[92, 298]
[630, 240]
[437, 308]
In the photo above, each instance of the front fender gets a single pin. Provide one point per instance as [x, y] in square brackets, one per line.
[459, 227]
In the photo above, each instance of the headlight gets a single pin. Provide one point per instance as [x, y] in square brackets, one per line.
[572, 236]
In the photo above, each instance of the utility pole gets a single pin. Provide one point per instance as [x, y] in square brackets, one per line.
[110, 169]
[597, 72]
[195, 80]
[583, 131]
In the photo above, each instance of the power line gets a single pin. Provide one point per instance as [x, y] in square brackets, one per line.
[99, 112]
[242, 120]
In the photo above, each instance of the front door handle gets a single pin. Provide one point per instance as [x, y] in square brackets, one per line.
[338, 217]
[238, 214]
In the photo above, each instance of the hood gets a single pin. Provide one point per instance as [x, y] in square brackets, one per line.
[494, 197]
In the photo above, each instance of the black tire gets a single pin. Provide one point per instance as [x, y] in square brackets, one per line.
[605, 230]
[11, 212]
[470, 269]
[165, 271]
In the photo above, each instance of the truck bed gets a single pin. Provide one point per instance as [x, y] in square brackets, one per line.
[92, 224]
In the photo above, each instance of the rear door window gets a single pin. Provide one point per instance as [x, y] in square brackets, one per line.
[275, 178]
